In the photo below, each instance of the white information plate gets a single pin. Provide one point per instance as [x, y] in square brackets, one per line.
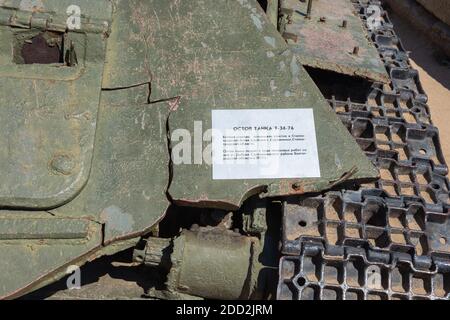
[264, 144]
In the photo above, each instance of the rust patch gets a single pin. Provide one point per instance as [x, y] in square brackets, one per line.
[294, 187]
[174, 104]
[300, 221]
[328, 40]
[346, 176]
[330, 43]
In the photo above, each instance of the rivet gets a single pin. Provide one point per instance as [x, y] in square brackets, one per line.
[62, 164]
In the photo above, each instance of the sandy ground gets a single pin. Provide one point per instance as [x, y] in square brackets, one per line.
[434, 75]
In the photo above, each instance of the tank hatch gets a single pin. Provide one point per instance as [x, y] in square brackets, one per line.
[51, 65]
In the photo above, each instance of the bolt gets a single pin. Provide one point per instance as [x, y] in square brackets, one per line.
[309, 10]
[356, 51]
[296, 186]
[322, 19]
[344, 24]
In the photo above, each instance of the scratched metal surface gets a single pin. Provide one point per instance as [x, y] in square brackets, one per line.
[32, 246]
[326, 44]
[99, 10]
[182, 59]
[48, 112]
[125, 193]
[238, 61]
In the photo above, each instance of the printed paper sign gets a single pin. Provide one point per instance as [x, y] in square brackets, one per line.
[264, 144]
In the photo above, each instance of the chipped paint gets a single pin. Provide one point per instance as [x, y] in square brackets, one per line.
[337, 161]
[257, 21]
[117, 221]
[295, 70]
[288, 94]
[273, 87]
[271, 41]
[31, 5]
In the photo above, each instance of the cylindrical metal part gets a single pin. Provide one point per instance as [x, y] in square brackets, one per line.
[156, 253]
[215, 265]
[309, 10]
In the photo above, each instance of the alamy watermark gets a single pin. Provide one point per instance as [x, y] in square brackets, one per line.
[374, 20]
[374, 278]
[74, 17]
[73, 12]
[73, 282]
[239, 145]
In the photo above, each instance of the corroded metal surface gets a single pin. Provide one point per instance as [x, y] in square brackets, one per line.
[389, 239]
[332, 38]
[358, 275]
[215, 262]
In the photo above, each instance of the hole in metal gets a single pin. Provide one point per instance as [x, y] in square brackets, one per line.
[302, 224]
[301, 281]
[45, 48]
